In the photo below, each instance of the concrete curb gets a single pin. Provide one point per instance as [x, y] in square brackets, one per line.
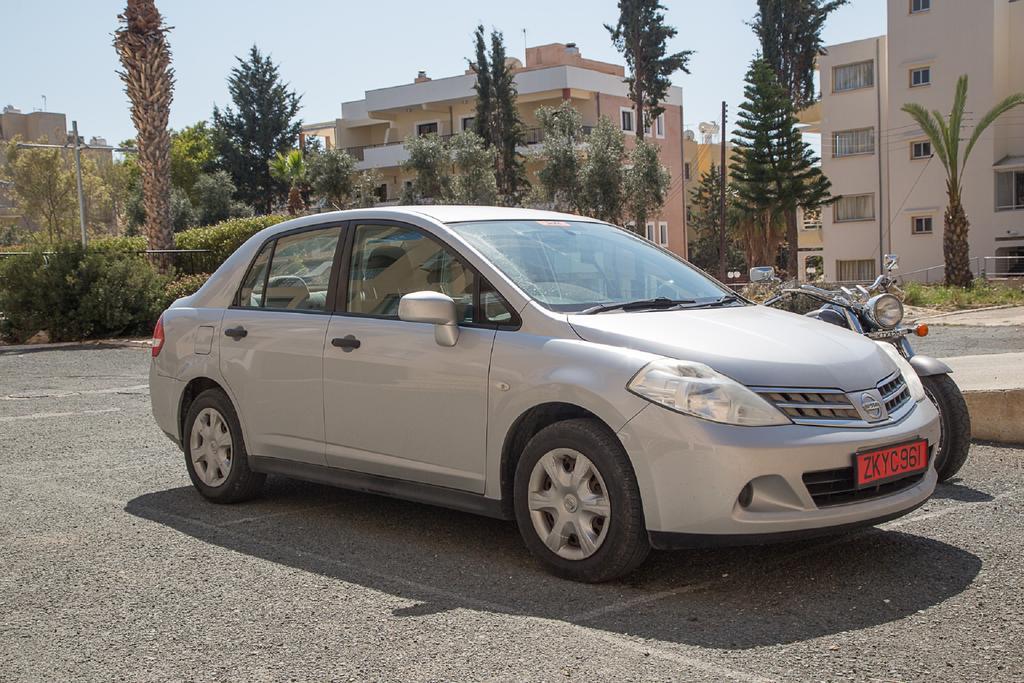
[962, 311]
[997, 415]
[65, 346]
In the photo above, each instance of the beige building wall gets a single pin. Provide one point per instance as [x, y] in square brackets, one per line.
[373, 129]
[982, 39]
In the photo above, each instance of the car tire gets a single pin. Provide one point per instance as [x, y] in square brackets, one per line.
[955, 439]
[608, 483]
[215, 454]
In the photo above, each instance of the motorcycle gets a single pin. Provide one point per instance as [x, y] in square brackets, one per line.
[876, 312]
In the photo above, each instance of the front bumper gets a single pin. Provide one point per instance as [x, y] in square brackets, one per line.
[691, 473]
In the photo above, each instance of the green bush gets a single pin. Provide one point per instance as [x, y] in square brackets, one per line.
[223, 238]
[979, 295]
[118, 244]
[78, 294]
[183, 285]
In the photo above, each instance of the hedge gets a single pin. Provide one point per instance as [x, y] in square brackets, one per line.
[75, 293]
[222, 239]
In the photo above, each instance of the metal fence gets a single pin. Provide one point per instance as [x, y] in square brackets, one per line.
[185, 261]
[983, 267]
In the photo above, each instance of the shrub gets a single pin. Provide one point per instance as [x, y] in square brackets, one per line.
[184, 285]
[223, 238]
[953, 298]
[118, 244]
[78, 294]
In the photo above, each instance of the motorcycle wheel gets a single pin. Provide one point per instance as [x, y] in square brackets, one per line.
[955, 424]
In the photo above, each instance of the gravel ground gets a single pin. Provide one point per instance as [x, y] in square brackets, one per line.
[944, 341]
[112, 568]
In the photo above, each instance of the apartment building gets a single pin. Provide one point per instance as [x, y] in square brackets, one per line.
[374, 128]
[892, 188]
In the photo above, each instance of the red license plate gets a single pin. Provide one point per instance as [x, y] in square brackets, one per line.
[889, 463]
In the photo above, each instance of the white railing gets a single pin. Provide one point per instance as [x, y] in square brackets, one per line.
[984, 267]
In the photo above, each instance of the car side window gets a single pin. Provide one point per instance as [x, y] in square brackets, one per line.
[493, 306]
[300, 270]
[391, 261]
[251, 293]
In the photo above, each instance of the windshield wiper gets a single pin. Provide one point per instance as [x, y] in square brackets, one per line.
[639, 304]
[721, 301]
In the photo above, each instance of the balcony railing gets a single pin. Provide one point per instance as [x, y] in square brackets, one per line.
[531, 136]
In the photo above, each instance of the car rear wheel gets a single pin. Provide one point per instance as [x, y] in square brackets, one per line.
[215, 454]
[577, 502]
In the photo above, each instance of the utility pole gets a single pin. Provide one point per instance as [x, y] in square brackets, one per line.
[721, 203]
[78, 181]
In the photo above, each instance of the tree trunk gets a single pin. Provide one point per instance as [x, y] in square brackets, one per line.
[954, 245]
[792, 238]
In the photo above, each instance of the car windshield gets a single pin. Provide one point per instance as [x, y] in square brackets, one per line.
[573, 266]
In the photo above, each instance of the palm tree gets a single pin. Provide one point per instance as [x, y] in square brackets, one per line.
[944, 134]
[291, 168]
[141, 43]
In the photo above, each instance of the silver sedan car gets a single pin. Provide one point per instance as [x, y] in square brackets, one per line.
[535, 366]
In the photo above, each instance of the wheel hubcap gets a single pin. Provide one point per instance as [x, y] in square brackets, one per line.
[568, 504]
[210, 447]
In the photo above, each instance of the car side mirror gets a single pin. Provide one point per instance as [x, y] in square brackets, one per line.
[434, 308]
[762, 274]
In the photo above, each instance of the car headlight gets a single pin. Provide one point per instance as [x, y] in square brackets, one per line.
[906, 369]
[695, 389]
[885, 310]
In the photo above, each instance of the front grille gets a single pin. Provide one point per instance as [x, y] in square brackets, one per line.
[895, 393]
[819, 404]
[836, 487]
[835, 408]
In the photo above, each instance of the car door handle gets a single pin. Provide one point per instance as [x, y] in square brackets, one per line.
[347, 343]
[236, 333]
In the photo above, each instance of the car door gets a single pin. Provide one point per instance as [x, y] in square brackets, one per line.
[397, 404]
[272, 346]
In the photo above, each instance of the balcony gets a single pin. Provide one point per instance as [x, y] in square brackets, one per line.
[387, 154]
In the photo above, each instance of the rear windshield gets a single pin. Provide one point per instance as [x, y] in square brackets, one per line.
[572, 265]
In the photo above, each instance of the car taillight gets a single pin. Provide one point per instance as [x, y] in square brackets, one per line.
[158, 336]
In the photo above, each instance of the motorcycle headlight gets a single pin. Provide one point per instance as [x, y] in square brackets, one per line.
[906, 369]
[885, 310]
[695, 389]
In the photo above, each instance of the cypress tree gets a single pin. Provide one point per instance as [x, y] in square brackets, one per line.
[641, 35]
[484, 91]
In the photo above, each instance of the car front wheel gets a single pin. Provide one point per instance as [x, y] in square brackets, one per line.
[577, 502]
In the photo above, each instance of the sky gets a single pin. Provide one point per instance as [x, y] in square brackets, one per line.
[332, 51]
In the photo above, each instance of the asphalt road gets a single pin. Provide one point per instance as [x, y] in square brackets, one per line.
[944, 341]
[112, 568]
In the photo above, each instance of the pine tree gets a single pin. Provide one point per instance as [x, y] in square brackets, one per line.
[641, 36]
[706, 221]
[774, 170]
[790, 35]
[262, 124]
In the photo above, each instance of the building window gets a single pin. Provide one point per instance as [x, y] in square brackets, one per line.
[857, 207]
[853, 76]
[811, 219]
[468, 122]
[663, 233]
[921, 150]
[626, 116]
[846, 143]
[1010, 190]
[650, 232]
[861, 270]
[917, 6]
[686, 170]
[921, 225]
[426, 128]
[659, 126]
[921, 76]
